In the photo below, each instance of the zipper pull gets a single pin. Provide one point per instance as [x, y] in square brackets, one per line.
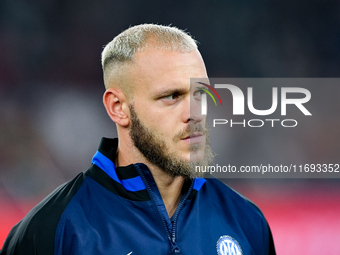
[174, 247]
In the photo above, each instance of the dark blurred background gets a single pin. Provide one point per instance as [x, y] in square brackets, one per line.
[52, 118]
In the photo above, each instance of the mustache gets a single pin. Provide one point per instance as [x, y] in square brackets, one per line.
[189, 130]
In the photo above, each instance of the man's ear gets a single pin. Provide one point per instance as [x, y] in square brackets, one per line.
[116, 105]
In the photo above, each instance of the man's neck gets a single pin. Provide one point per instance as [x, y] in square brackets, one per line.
[169, 187]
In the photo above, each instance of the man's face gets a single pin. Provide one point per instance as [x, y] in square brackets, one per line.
[166, 122]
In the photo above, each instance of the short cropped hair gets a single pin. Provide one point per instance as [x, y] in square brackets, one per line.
[124, 46]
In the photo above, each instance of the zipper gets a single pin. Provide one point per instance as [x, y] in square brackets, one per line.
[179, 208]
[172, 235]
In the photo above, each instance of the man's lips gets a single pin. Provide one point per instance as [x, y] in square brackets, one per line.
[193, 137]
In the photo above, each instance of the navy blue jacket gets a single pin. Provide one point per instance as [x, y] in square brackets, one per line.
[119, 211]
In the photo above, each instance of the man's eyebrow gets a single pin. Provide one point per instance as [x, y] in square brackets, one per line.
[171, 91]
[201, 87]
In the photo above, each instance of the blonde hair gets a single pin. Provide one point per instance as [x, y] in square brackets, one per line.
[125, 45]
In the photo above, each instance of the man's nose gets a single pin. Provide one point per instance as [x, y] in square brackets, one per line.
[194, 113]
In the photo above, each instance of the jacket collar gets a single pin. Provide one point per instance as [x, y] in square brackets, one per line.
[125, 181]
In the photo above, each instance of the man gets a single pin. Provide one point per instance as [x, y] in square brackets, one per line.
[141, 196]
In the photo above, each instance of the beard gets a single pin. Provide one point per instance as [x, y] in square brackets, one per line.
[157, 152]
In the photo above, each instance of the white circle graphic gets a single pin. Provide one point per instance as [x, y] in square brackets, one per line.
[227, 245]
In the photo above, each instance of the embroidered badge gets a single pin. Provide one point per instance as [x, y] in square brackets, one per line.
[227, 245]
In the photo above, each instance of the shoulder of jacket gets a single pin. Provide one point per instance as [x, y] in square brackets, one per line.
[34, 234]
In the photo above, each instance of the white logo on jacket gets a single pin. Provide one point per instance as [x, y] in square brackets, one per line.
[227, 245]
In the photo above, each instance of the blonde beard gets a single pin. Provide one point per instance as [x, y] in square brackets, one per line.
[156, 151]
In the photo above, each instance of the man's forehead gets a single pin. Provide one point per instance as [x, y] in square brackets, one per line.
[172, 86]
[160, 70]
[167, 59]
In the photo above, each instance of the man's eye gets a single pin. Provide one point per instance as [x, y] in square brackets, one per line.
[171, 97]
[199, 93]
